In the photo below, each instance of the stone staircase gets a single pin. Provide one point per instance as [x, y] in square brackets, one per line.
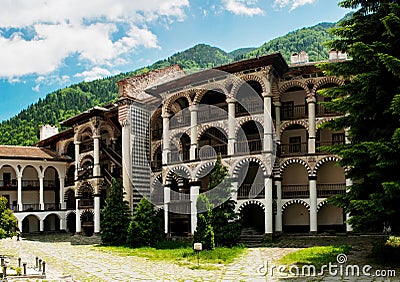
[251, 237]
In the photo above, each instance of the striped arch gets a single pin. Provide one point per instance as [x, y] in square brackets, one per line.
[239, 164]
[69, 212]
[295, 161]
[86, 212]
[251, 202]
[154, 149]
[288, 123]
[327, 80]
[321, 121]
[204, 167]
[244, 79]
[171, 99]
[181, 170]
[179, 132]
[321, 204]
[325, 160]
[82, 128]
[291, 84]
[219, 87]
[84, 156]
[157, 112]
[63, 145]
[156, 179]
[85, 186]
[295, 201]
[219, 125]
[66, 193]
[243, 120]
[107, 127]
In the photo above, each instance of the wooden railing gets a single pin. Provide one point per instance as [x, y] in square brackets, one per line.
[293, 149]
[294, 112]
[30, 207]
[249, 146]
[8, 184]
[254, 190]
[86, 203]
[212, 112]
[249, 106]
[180, 119]
[321, 110]
[295, 191]
[178, 196]
[212, 151]
[327, 190]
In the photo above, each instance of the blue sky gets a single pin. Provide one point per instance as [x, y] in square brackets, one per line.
[49, 44]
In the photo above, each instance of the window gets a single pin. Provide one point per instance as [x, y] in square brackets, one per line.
[7, 178]
[287, 110]
[295, 144]
[338, 138]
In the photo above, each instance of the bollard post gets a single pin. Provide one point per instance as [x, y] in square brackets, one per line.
[19, 262]
[37, 262]
[1, 261]
[40, 265]
[24, 264]
[44, 268]
[4, 271]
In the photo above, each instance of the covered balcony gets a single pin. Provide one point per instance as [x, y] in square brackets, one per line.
[294, 141]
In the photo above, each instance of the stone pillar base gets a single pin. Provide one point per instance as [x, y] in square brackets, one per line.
[278, 233]
[268, 237]
[313, 233]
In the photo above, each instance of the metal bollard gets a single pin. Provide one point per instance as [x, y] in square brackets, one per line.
[44, 268]
[19, 262]
[37, 262]
[24, 264]
[40, 265]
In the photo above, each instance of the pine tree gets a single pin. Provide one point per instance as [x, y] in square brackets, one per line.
[369, 103]
[204, 233]
[8, 222]
[145, 228]
[116, 216]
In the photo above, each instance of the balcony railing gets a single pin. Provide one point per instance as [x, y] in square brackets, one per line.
[255, 190]
[295, 191]
[157, 197]
[30, 183]
[321, 110]
[51, 206]
[8, 184]
[249, 146]
[177, 157]
[49, 183]
[294, 112]
[250, 106]
[30, 207]
[212, 112]
[327, 190]
[211, 151]
[86, 203]
[179, 196]
[156, 165]
[180, 119]
[293, 149]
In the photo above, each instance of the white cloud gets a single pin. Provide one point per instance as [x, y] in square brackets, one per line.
[95, 73]
[50, 80]
[293, 4]
[97, 32]
[242, 7]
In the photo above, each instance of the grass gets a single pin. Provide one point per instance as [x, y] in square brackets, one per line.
[180, 253]
[317, 256]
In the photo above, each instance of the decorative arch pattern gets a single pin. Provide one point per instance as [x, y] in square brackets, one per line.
[320, 121]
[219, 125]
[85, 186]
[86, 212]
[293, 83]
[157, 178]
[199, 172]
[327, 80]
[288, 123]
[245, 119]
[246, 78]
[181, 168]
[210, 87]
[57, 215]
[251, 202]
[154, 149]
[296, 201]
[239, 164]
[295, 161]
[325, 160]
[321, 204]
[171, 99]
[63, 145]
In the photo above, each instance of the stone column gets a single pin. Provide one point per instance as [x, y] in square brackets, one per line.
[20, 225]
[97, 213]
[268, 128]
[312, 127]
[96, 155]
[167, 199]
[62, 204]
[193, 131]
[77, 144]
[63, 221]
[231, 125]
[19, 200]
[194, 193]
[313, 204]
[165, 145]
[77, 218]
[268, 207]
[349, 183]
[41, 225]
[41, 192]
[278, 216]
[278, 121]
[126, 162]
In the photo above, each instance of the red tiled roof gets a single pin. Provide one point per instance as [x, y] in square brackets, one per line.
[15, 152]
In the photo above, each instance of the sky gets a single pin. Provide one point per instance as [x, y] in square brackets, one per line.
[46, 45]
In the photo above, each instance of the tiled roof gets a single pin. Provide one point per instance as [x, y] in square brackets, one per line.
[29, 153]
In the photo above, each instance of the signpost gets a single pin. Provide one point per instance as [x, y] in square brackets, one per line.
[198, 247]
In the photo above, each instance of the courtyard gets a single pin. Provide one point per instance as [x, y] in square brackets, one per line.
[76, 258]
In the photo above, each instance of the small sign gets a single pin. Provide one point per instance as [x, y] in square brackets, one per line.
[197, 246]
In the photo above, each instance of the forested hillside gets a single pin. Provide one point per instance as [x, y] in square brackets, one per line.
[23, 129]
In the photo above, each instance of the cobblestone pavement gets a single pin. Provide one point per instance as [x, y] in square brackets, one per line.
[74, 259]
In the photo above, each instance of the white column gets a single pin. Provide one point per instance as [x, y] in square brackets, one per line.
[96, 213]
[77, 144]
[41, 192]
[167, 199]
[278, 121]
[235, 185]
[41, 225]
[278, 216]
[231, 125]
[20, 225]
[165, 145]
[126, 163]
[312, 127]
[96, 155]
[349, 183]
[268, 206]
[62, 203]
[63, 221]
[19, 200]
[268, 125]
[193, 131]
[194, 193]
[313, 204]
[77, 218]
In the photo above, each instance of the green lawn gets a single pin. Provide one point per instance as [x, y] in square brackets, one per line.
[317, 256]
[181, 254]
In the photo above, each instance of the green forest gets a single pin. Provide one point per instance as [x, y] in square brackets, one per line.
[23, 129]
